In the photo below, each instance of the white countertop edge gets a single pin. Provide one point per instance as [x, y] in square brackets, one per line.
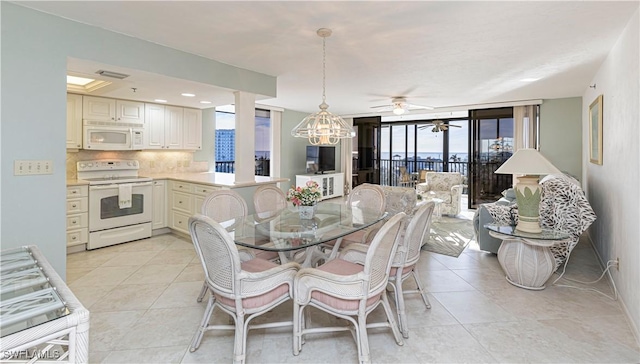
[226, 180]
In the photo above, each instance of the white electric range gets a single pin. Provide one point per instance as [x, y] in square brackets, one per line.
[120, 201]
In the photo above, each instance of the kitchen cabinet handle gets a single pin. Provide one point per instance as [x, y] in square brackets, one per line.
[74, 205]
[179, 201]
[74, 237]
[74, 222]
[74, 192]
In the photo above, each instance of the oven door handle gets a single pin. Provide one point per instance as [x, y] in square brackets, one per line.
[112, 186]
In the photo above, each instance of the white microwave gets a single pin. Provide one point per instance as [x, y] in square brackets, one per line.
[112, 137]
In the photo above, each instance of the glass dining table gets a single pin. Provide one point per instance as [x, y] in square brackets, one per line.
[283, 231]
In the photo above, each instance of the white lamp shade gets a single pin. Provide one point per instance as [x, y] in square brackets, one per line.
[527, 161]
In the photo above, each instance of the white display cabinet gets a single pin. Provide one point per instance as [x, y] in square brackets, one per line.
[331, 184]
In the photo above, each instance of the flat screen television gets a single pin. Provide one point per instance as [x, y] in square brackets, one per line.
[321, 159]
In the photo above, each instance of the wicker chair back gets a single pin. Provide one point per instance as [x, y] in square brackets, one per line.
[382, 249]
[368, 196]
[223, 205]
[269, 198]
[217, 251]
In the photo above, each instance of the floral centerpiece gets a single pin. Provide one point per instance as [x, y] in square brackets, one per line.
[308, 195]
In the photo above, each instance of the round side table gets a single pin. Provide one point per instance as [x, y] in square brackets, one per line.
[525, 257]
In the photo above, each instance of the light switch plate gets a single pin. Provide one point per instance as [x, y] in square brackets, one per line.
[32, 167]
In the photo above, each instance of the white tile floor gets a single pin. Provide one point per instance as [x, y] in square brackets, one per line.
[142, 298]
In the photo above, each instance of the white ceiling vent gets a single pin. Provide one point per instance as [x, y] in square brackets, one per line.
[112, 74]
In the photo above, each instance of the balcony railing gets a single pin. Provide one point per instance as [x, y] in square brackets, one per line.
[390, 169]
[487, 184]
[261, 168]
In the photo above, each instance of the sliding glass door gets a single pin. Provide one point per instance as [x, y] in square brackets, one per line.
[416, 146]
[491, 145]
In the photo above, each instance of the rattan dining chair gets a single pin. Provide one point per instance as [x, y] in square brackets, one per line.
[367, 196]
[350, 291]
[404, 264]
[268, 198]
[243, 290]
[222, 205]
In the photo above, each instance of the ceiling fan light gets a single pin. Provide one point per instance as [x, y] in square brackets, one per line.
[398, 110]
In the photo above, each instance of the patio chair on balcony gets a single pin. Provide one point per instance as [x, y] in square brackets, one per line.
[405, 179]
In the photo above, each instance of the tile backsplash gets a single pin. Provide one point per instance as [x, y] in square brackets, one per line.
[151, 162]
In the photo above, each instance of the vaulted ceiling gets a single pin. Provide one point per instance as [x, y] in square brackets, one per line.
[437, 53]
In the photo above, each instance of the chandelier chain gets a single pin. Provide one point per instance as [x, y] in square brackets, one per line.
[324, 68]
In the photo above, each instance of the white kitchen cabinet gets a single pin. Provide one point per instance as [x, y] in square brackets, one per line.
[185, 200]
[77, 215]
[159, 220]
[154, 126]
[105, 109]
[172, 127]
[74, 121]
[331, 184]
[192, 130]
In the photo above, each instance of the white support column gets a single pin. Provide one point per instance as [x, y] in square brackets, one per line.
[276, 142]
[245, 137]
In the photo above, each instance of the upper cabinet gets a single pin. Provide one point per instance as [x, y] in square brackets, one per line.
[172, 127]
[74, 121]
[112, 110]
[192, 131]
[165, 127]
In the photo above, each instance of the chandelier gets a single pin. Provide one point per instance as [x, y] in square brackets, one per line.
[323, 128]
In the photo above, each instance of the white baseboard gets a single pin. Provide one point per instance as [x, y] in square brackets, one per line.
[623, 305]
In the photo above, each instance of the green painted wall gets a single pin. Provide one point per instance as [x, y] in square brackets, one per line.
[561, 134]
[35, 48]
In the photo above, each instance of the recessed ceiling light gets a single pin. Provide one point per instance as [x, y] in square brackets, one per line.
[205, 102]
[188, 95]
[80, 81]
[160, 100]
[530, 79]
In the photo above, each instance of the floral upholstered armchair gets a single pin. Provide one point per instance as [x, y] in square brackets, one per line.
[446, 186]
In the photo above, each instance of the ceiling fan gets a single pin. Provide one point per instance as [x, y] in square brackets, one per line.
[399, 106]
[438, 125]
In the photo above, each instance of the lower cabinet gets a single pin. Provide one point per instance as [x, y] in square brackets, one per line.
[331, 184]
[185, 200]
[77, 215]
[159, 204]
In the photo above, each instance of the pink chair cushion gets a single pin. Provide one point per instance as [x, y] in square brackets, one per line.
[356, 237]
[343, 268]
[405, 270]
[254, 266]
[257, 265]
[266, 255]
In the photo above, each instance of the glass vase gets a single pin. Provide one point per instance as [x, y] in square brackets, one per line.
[306, 212]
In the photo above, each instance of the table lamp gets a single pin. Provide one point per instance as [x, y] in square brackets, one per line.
[531, 164]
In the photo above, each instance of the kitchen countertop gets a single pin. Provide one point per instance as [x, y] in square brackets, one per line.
[208, 178]
[216, 179]
[76, 182]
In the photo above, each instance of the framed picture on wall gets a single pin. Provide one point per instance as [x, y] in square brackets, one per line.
[595, 131]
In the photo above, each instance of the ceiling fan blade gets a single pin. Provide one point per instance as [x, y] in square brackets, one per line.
[419, 107]
[382, 106]
[455, 126]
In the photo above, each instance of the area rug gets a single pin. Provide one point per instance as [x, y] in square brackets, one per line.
[449, 236]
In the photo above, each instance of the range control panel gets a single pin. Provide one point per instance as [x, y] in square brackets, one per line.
[107, 165]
